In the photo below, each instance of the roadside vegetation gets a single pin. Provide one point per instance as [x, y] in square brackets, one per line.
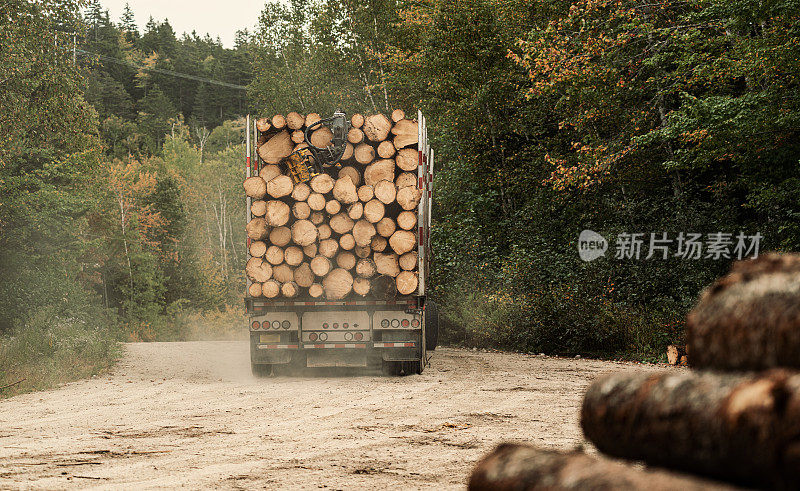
[120, 199]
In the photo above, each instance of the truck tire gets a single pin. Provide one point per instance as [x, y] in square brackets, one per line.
[431, 325]
[261, 370]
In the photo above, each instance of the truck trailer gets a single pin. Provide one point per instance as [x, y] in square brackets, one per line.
[329, 295]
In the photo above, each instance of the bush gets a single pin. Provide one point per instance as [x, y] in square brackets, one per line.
[47, 350]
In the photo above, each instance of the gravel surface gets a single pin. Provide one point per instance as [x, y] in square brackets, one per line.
[192, 415]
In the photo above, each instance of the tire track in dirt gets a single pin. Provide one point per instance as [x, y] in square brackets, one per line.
[190, 414]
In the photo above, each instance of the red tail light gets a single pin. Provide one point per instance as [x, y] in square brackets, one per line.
[256, 325]
[358, 336]
[312, 336]
[405, 323]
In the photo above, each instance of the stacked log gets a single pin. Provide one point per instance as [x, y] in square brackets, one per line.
[521, 467]
[736, 420]
[351, 232]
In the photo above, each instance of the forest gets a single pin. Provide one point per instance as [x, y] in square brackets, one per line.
[121, 212]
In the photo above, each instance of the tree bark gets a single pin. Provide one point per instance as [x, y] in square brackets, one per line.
[518, 467]
[741, 428]
[749, 319]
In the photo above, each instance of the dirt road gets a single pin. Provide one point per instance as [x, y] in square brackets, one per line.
[190, 414]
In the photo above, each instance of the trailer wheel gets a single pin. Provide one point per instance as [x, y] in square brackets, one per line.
[431, 325]
[261, 370]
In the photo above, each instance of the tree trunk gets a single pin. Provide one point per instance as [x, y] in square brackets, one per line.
[361, 286]
[363, 231]
[352, 173]
[376, 127]
[365, 268]
[295, 121]
[386, 227]
[402, 241]
[407, 282]
[407, 159]
[355, 136]
[315, 290]
[386, 150]
[278, 122]
[290, 289]
[321, 265]
[341, 223]
[386, 264]
[322, 137]
[356, 210]
[518, 467]
[282, 273]
[304, 232]
[332, 207]
[344, 190]
[741, 428]
[385, 191]
[303, 275]
[280, 236]
[749, 319]
[337, 284]
[257, 229]
[258, 270]
[405, 133]
[409, 261]
[316, 201]
[357, 120]
[280, 186]
[322, 183]
[379, 243]
[270, 289]
[276, 148]
[263, 124]
[277, 214]
[408, 197]
[397, 115]
[258, 208]
[293, 255]
[254, 290]
[374, 211]
[366, 193]
[269, 172]
[378, 171]
[328, 248]
[258, 248]
[407, 220]
[346, 260]
[301, 192]
[255, 187]
[347, 242]
[364, 153]
[301, 210]
[274, 255]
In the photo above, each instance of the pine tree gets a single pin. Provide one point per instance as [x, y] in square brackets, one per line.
[128, 23]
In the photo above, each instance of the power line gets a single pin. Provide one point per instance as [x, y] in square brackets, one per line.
[163, 71]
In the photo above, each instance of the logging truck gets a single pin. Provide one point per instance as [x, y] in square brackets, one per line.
[338, 266]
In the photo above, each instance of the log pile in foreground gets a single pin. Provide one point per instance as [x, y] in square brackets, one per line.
[346, 234]
[729, 421]
[520, 467]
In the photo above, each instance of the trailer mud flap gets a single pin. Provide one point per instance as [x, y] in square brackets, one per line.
[272, 356]
[400, 354]
[336, 358]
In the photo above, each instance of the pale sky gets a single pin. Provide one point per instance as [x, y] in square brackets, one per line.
[218, 18]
